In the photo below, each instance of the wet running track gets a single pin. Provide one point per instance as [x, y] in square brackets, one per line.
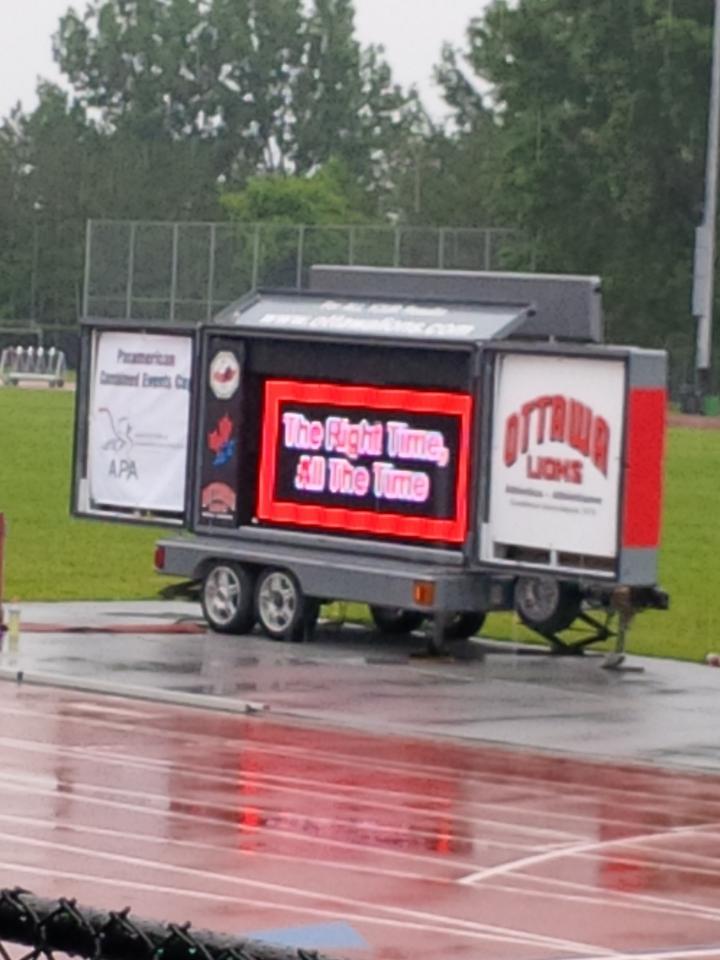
[393, 846]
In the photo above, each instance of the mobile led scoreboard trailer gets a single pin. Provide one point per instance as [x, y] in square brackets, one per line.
[433, 444]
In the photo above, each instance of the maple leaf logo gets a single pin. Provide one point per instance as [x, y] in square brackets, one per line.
[220, 436]
[224, 376]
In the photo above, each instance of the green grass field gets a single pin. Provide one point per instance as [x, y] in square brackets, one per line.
[51, 556]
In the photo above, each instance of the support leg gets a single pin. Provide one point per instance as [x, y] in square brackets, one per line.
[622, 604]
[436, 638]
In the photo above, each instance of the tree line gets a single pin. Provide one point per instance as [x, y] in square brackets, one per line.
[581, 125]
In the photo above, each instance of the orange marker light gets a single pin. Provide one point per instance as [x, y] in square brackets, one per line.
[423, 593]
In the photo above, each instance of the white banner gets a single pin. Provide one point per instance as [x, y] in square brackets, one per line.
[556, 452]
[139, 414]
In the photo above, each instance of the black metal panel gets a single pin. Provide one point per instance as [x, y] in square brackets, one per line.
[427, 319]
[398, 365]
[566, 307]
[219, 447]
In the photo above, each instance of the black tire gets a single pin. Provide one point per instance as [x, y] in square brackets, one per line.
[463, 625]
[547, 605]
[227, 597]
[281, 608]
[395, 620]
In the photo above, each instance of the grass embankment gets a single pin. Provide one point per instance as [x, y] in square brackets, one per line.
[51, 556]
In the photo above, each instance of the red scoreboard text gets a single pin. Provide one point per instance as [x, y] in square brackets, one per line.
[376, 460]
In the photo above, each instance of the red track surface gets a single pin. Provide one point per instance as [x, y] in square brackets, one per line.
[425, 849]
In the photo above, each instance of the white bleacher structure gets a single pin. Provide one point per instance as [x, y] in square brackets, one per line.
[27, 364]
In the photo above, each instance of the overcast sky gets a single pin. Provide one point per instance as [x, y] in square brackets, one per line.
[412, 32]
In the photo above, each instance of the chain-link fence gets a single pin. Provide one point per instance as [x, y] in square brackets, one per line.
[61, 927]
[41, 272]
[188, 271]
[185, 272]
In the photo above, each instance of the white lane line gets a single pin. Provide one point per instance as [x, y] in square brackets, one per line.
[193, 895]
[217, 823]
[438, 772]
[530, 884]
[364, 825]
[325, 793]
[164, 842]
[318, 840]
[672, 953]
[490, 930]
[120, 712]
[620, 900]
[504, 807]
[430, 821]
[573, 850]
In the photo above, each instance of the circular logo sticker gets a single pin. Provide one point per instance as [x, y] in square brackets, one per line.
[224, 375]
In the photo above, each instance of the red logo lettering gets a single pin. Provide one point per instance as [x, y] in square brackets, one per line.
[557, 419]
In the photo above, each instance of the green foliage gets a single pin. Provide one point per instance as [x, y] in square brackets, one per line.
[324, 198]
[170, 103]
[581, 124]
[601, 110]
[56, 171]
[273, 85]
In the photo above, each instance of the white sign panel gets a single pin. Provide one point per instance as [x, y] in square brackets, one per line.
[139, 413]
[555, 461]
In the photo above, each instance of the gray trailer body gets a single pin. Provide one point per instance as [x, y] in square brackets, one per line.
[437, 362]
[342, 575]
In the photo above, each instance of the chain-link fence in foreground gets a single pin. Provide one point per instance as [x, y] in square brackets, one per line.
[49, 927]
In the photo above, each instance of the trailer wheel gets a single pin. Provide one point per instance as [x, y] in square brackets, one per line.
[463, 625]
[395, 620]
[547, 605]
[227, 598]
[282, 610]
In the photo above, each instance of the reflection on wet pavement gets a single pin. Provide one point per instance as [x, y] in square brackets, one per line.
[419, 848]
[666, 713]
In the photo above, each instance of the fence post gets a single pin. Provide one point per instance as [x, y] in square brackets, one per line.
[487, 250]
[174, 270]
[2, 571]
[131, 272]
[351, 247]
[396, 250]
[88, 253]
[441, 248]
[300, 254]
[256, 257]
[211, 270]
[34, 272]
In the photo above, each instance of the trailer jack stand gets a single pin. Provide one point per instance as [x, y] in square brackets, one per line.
[623, 607]
[576, 648]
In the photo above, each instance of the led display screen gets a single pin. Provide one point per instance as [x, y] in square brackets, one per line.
[365, 460]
